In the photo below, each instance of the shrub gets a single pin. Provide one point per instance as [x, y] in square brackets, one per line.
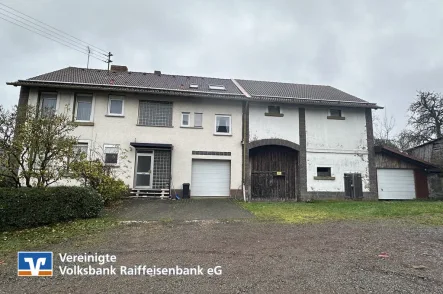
[30, 207]
[111, 189]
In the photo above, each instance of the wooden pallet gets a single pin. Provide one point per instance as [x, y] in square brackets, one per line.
[143, 193]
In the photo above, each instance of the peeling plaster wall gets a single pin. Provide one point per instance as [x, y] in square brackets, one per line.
[271, 127]
[339, 144]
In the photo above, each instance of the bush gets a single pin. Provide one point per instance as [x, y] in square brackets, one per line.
[30, 207]
[111, 189]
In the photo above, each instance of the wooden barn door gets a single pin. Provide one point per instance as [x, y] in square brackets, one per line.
[273, 172]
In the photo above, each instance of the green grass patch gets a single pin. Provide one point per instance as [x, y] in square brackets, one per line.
[427, 212]
[40, 237]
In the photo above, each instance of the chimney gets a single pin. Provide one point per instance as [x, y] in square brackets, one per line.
[157, 72]
[119, 68]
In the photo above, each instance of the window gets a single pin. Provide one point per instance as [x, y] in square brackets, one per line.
[155, 114]
[81, 148]
[48, 103]
[198, 120]
[274, 109]
[217, 87]
[223, 124]
[83, 107]
[323, 172]
[116, 105]
[194, 86]
[335, 112]
[111, 154]
[186, 117]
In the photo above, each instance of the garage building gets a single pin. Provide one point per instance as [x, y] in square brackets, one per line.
[400, 175]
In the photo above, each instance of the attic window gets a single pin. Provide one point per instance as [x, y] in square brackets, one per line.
[335, 114]
[194, 86]
[274, 110]
[217, 87]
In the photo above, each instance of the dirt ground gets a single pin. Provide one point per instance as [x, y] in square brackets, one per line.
[256, 257]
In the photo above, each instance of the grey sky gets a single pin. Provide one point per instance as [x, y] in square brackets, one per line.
[380, 51]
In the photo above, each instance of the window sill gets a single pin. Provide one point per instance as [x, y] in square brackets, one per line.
[336, 117]
[154, 126]
[114, 115]
[274, 114]
[113, 165]
[324, 178]
[84, 123]
[217, 134]
[184, 127]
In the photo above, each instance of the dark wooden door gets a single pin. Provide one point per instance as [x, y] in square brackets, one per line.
[273, 172]
[421, 184]
[353, 186]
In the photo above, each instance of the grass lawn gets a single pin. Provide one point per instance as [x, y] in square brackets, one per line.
[426, 212]
[40, 237]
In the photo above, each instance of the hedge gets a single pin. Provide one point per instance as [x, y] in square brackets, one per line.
[31, 207]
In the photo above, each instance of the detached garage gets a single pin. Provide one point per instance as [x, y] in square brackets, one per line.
[210, 178]
[401, 176]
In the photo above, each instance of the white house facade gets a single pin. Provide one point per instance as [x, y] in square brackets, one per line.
[224, 137]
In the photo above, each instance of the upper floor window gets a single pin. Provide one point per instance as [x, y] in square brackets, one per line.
[335, 114]
[48, 103]
[186, 118]
[274, 110]
[222, 124]
[83, 107]
[155, 113]
[198, 120]
[116, 105]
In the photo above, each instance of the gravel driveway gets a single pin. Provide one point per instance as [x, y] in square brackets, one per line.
[257, 257]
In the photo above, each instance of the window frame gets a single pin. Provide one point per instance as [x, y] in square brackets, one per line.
[230, 125]
[41, 98]
[331, 116]
[189, 119]
[195, 115]
[104, 154]
[91, 116]
[118, 98]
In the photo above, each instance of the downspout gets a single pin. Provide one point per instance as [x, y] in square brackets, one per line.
[245, 140]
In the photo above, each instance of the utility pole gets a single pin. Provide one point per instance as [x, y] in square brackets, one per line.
[109, 59]
[89, 53]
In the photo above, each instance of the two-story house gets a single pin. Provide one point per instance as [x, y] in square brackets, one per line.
[225, 137]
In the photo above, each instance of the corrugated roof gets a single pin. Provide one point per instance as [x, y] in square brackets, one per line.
[177, 85]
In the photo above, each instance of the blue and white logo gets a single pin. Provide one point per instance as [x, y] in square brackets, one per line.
[34, 263]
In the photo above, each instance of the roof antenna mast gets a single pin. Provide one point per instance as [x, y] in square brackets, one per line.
[109, 59]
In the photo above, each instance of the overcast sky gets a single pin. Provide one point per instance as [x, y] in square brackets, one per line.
[380, 51]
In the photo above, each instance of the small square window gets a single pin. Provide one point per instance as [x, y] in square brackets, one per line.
[323, 171]
[217, 87]
[335, 112]
[274, 109]
[111, 154]
[186, 118]
[198, 120]
[223, 124]
[116, 105]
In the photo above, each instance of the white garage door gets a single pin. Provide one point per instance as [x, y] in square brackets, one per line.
[210, 177]
[396, 184]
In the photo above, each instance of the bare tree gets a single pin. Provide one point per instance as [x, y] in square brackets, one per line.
[383, 131]
[425, 120]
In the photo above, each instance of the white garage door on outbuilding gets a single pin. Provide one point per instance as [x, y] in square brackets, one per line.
[210, 177]
[396, 184]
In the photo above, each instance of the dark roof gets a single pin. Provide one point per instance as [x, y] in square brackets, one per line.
[286, 90]
[73, 77]
[405, 156]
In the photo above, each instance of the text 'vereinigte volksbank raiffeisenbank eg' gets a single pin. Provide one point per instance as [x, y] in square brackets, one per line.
[106, 265]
